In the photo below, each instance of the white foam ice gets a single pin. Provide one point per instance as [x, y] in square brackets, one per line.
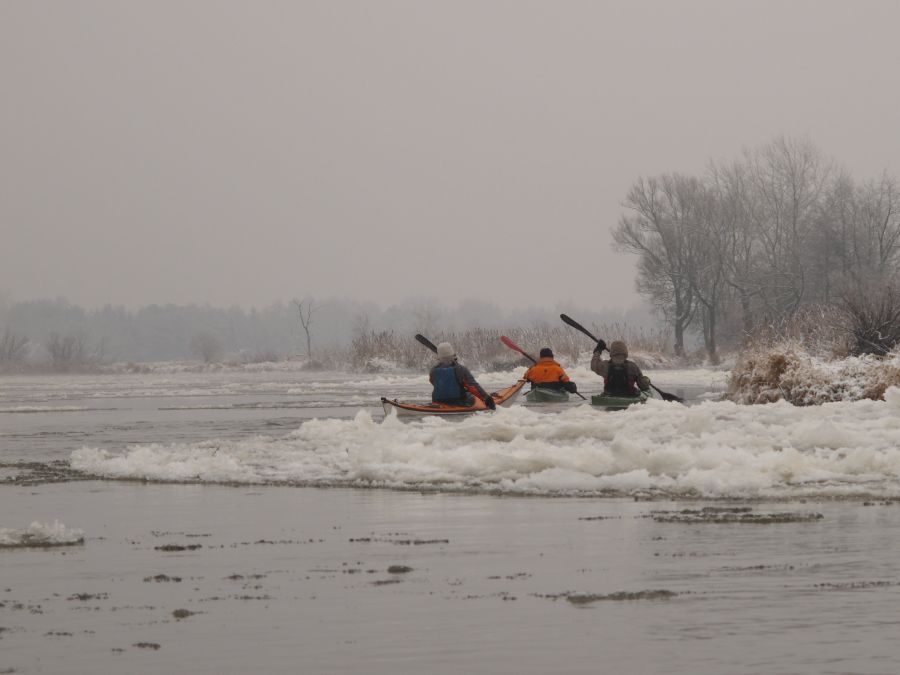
[40, 535]
[714, 449]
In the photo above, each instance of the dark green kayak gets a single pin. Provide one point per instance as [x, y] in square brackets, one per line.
[617, 402]
[540, 395]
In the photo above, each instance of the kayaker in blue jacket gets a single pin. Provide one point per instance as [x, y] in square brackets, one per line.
[453, 382]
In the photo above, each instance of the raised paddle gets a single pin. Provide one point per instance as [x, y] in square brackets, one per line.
[425, 341]
[516, 348]
[577, 326]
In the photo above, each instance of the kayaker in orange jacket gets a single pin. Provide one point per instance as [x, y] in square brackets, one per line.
[548, 374]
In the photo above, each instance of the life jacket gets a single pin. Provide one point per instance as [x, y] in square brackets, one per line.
[618, 382]
[546, 371]
[446, 384]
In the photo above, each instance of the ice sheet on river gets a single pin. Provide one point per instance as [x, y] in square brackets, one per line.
[34, 391]
[40, 535]
[715, 449]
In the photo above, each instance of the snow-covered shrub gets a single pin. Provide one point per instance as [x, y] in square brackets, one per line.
[787, 370]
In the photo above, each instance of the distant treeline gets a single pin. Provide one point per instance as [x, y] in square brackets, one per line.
[63, 336]
[753, 242]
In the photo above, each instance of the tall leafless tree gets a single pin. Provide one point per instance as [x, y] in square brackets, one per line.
[307, 309]
[789, 177]
[660, 230]
[736, 245]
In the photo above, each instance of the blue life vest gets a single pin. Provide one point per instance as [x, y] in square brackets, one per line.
[446, 386]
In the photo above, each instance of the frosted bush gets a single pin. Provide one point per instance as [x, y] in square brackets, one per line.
[786, 370]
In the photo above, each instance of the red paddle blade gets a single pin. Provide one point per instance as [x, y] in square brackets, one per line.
[516, 348]
[512, 345]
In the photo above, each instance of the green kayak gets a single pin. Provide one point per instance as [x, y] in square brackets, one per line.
[608, 402]
[540, 395]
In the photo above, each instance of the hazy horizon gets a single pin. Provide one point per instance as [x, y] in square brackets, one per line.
[637, 306]
[234, 153]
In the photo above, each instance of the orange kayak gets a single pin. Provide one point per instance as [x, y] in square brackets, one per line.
[504, 397]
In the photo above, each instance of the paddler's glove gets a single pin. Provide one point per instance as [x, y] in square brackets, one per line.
[570, 387]
[601, 346]
[489, 402]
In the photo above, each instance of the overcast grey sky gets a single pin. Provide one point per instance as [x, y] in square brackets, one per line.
[243, 152]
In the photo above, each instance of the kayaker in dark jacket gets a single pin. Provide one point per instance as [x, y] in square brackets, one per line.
[548, 374]
[621, 377]
[452, 381]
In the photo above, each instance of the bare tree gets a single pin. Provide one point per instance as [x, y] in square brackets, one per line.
[206, 346]
[831, 244]
[12, 347]
[307, 308]
[661, 230]
[788, 177]
[708, 229]
[756, 240]
[67, 351]
[877, 228]
[737, 247]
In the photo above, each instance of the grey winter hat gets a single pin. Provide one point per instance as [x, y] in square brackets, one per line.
[618, 348]
[445, 351]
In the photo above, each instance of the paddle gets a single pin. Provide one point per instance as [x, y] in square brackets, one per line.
[425, 341]
[516, 348]
[577, 326]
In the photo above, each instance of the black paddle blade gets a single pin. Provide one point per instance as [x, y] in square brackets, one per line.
[667, 396]
[425, 341]
[577, 326]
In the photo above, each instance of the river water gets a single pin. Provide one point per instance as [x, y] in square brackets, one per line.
[273, 522]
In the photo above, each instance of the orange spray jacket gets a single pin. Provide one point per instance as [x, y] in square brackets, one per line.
[546, 370]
